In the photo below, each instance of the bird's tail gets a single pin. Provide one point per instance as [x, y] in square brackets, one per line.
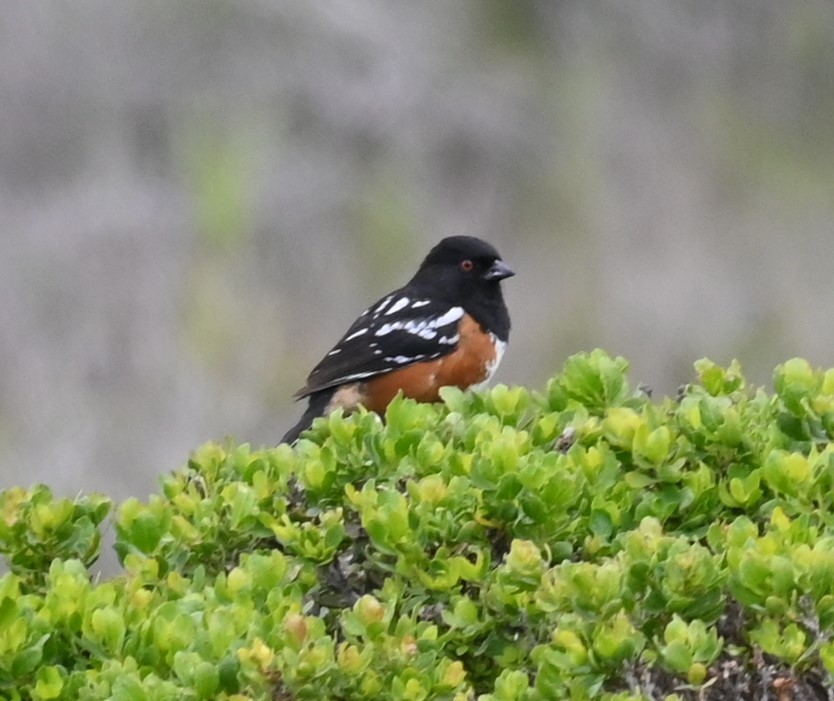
[318, 403]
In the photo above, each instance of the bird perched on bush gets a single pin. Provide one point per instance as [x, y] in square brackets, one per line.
[447, 326]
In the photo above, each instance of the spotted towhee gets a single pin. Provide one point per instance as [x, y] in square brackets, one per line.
[448, 326]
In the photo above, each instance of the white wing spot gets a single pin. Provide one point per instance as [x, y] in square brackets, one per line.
[453, 314]
[399, 359]
[335, 351]
[356, 376]
[382, 305]
[385, 329]
[449, 340]
[356, 334]
[420, 303]
[424, 328]
[399, 304]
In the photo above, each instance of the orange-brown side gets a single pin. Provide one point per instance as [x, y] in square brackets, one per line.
[467, 365]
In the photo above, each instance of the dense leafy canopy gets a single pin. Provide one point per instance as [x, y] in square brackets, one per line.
[584, 542]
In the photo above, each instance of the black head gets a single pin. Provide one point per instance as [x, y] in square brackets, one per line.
[468, 271]
[468, 259]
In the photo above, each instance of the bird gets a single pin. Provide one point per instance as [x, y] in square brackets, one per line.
[447, 326]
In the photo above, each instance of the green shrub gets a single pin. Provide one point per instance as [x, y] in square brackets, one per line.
[584, 542]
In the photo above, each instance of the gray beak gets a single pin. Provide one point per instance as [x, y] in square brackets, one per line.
[498, 271]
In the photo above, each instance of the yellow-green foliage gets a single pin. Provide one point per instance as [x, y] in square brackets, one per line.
[584, 542]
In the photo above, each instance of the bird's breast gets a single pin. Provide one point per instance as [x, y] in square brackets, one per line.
[471, 364]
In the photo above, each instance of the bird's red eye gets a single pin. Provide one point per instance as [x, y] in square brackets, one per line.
[467, 266]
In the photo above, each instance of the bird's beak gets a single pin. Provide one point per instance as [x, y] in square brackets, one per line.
[498, 271]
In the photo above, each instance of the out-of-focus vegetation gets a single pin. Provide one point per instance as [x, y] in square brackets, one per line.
[197, 198]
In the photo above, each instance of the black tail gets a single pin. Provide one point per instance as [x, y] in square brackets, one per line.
[318, 403]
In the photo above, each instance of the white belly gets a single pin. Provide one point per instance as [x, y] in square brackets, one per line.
[500, 347]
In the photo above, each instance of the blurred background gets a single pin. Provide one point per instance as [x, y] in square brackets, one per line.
[198, 197]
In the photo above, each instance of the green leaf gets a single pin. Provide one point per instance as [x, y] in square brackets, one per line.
[128, 688]
[206, 680]
[49, 683]
[795, 382]
[27, 660]
[8, 611]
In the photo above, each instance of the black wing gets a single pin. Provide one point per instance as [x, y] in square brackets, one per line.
[400, 329]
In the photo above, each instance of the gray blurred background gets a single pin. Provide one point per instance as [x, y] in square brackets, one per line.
[197, 198]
